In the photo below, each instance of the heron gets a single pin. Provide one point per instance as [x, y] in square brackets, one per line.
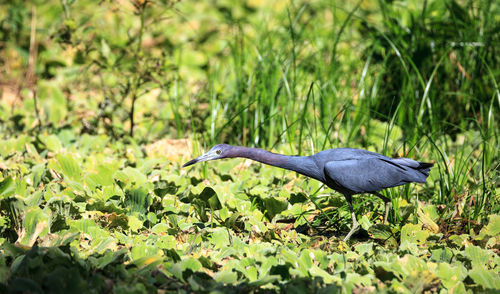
[349, 171]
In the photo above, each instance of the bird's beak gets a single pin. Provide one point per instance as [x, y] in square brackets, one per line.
[207, 156]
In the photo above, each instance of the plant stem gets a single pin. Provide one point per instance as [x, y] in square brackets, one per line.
[138, 78]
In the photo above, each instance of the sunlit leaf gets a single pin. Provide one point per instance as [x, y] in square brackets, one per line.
[167, 242]
[426, 215]
[478, 256]
[486, 278]
[35, 224]
[69, 167]
[7, 187]
[131, 175]
[52, 142]
[451, 275]
[220, 237]
[492, 229]
[226, 277]
[412, 236]
[134, 223]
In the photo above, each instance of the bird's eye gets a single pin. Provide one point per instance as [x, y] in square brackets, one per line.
[218, 151]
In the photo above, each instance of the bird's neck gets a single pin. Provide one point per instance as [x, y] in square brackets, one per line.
[301, 164]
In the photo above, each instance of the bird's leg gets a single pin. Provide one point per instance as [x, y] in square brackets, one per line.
[387, 203]
[355, 225]
[386, 215]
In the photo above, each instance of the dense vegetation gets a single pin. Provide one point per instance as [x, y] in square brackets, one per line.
[102, 101]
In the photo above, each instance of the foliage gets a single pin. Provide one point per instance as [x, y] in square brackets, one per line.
[92, 196]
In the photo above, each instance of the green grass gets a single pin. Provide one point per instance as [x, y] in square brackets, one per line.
[87, 204]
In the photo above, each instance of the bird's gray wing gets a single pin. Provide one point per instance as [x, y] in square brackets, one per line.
[355, 176]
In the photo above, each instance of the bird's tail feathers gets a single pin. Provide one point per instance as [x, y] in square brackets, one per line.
[425, 168]
[418, 171]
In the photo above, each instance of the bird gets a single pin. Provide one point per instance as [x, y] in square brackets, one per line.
[349, 171]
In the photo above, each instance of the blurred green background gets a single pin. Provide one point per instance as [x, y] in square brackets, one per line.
[101, 101]
[254, 73]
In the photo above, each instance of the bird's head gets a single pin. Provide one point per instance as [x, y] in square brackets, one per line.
[219, 151]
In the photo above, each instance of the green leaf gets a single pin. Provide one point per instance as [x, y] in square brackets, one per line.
[259, 190]
[399, 287]
[192, 264]
[264, 280]
[159, 229]
[52, 142]
[231, 221]
[151, 218]
[492, 229]
[426, 215]
[451, 275]
[35, 224]
[89, 228]
[382, 232]
[251, 273]
[209, 196]
[37, 173]
[412, 236]
[110, 257]
[7, 188]
[444, 254]
[486, 278]
[405, 211]
[274, 206]
[134, 223]
[365, 223]
[143, 250]
[103, 177]
[138, 201]
[131, 175]
[167, 242]
[69, 167]
[220, 238]
[314, 270]
[364, 248]
[479, 257]
[226, 277]
[459, 240]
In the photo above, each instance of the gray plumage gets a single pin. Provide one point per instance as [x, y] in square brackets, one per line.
[349, 171]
